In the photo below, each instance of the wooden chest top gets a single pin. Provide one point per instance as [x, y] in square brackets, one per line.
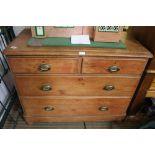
[134, 49]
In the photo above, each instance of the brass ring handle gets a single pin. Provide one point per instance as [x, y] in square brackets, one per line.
[103, 108]
[48, 108]
[46, 87]
[109, 87]
[113, 68]
[44, 67]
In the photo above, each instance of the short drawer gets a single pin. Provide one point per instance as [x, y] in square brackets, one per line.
[113, 65]
[76, 85]
[44, 65]
[74, 107]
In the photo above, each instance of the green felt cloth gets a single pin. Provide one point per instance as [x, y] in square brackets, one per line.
[67, 42]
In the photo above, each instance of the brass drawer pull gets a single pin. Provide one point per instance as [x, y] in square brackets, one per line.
[113, 68]
[44, 67]
[46, 87]
[103, 108]
[109, 87]
[48, 108]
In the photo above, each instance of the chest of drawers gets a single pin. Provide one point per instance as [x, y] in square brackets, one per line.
[56, 84]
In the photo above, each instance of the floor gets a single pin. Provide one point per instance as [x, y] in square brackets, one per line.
[20, 124]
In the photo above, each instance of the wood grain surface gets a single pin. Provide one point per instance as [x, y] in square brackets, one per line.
[31, 120]
[106, 36]
[134, 49]
[76, 85]
[74, 107]
[101, 65]
[32, 65]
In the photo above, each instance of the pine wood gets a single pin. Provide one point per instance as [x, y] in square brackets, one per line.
[51, 31]
[31, 120]
[88, 30]
[77, 81]
[75, 107]
[31, 65]
[134, 49]
[107, 36]
[101, 65]
[76, 85]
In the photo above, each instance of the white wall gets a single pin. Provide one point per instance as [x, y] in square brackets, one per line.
[18, 29]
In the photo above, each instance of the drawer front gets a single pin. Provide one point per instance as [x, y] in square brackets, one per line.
[115, 66]
[76, 85]
[44, 65]
[74, 107]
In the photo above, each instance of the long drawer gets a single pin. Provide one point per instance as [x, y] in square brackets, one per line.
[45, 85]
[113, 65]
[74, 107]
[44, 65]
